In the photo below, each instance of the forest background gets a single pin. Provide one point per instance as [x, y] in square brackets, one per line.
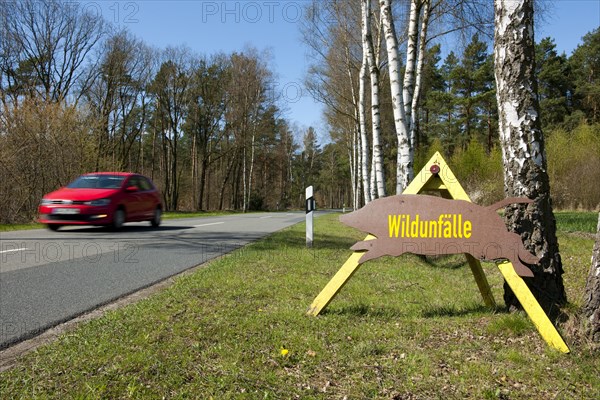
[79, 94]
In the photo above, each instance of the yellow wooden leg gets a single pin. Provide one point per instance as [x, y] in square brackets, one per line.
[533, 308]
[337, 282]
[481, 280]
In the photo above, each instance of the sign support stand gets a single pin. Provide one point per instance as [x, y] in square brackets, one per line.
[310, 208]
[436, 176]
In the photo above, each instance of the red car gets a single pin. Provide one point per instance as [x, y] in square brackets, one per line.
[103, 198]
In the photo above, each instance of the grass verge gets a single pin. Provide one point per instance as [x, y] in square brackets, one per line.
[19, 227]
[403, 328]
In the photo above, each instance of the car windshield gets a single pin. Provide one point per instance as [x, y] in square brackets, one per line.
[97, 182]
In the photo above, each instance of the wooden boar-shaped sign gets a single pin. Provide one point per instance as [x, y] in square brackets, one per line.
[429, 225]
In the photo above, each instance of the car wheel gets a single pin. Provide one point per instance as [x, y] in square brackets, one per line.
[53, 227]
[156, 219]
[118, 219]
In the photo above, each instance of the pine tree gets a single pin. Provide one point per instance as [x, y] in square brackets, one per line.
[473, 87]
[585, 63]
[554, 84]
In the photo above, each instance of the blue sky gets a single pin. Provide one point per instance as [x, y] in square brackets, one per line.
[211, 26]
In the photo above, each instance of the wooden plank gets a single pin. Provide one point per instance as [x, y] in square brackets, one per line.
[337, 282]
[481, 280]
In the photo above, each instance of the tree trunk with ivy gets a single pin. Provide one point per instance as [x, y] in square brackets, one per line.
[591, 307]
[521, 137]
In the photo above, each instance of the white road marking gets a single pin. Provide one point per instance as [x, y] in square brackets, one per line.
[13, 250]
[212, 223]
[269, 216]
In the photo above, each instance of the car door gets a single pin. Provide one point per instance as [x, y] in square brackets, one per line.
[132, 198]
[147, 198]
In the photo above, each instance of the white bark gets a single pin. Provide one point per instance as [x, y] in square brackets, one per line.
[520, 130]
[522, 141]
[411, 57]
[591, 306]
[422, 49]
[373, 180]
[352, 152]
[363, 123]
[377, 171]
[356, 153]
[404, 168]
[355, 160]
[359, 170]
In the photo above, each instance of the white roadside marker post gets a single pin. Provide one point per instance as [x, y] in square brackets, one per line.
[310, 208]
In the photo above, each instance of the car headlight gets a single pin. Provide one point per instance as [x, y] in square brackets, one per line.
[100, 202]
[46, 202]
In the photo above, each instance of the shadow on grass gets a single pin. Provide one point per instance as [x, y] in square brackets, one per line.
[454, 311]
[295, 241]
[454, 261]
[359, 310]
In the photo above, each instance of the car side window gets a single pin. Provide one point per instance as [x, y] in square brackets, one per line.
[144, 184]
[133, 181]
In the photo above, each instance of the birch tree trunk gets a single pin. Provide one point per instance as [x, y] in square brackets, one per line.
[355, 171]
[356, 155]
[404, 167]
[418, 74]
[352, 173]
[522, 141]
[356, 151]
[378, 176]
[411, 57]
[364, 144]
[373, 182]
[591, 307]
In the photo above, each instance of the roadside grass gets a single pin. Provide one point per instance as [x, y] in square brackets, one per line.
[403, 328]
[20, 227]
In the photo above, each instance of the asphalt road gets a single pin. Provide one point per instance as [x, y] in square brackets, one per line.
[47, 278]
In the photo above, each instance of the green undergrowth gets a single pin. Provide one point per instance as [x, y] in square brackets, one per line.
[575, 221]
[401, 328]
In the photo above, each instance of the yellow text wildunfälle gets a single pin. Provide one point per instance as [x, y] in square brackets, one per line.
[447, 226]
